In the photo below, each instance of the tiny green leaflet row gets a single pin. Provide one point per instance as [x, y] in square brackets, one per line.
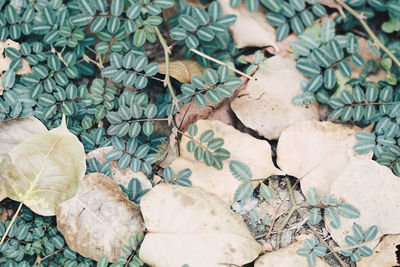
[313, 248]
[216, 85]
[197, 27]
[331, 206]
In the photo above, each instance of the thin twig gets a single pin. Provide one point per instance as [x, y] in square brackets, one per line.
[221, 63]
[373, 36]
[167, 79]
[294, 204]
[11, 223]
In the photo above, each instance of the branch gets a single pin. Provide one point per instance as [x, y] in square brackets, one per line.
[221, 63]
[369, 31]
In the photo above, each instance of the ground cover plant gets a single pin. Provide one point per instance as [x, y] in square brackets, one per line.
[199, 133]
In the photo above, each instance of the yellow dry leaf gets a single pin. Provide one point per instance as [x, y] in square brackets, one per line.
[183, 70]
[374, 190]
[243, 147]
[287, 257]
[99, 219]
[384, 254]
[265, 105]
[121, 177]
[187, 225]
[316, 152]
[250, 28]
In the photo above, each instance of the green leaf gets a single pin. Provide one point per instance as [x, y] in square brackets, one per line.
[273, 5]
[188, 23]
[372, 93]
[192, 130]
[327, 30]
[266, 191]
[348, 211]
[308, 67]
[199, 153]
[297, 25]
[370, 233]
[139, 38]
[8, 79]
[133, 11]
[329, 78]
[240, 170]
[117, 7]
[315, 215]
[215, 143]
[345, 68]
[252, 5]
[200, 15]
[244, 191]
[364, 148]
[352, 44]
[206, 136]
[282, 31]
[275, 19]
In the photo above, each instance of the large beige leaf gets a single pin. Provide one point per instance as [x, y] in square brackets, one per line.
[187, 225]
[44, 170]
[287, 257]
[374, 190]
[250, 28]
[265, 105]
[243, 147]
[14, 131]
[384, 254]
[183, 70]
[99, 219]
[316, 152]
[121, 177]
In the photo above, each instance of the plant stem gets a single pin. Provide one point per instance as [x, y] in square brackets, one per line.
[294, 204]
[284, 223]
[11, 223]
[167, 80]
[369, 31]
[221, 63]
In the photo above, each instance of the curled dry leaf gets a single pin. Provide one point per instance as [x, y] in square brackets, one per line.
[265, 105]
[374, 190]
[183, 70]
[187, 225]
[121, 177]
[385, 254]
[44, 170]
[250, 28]
[99, 219]
[5, 61]
[287, 256]
[316, 152]
[13, 132]
[253, 152]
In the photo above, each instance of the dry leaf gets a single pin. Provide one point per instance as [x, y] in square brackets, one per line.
[13, 132]
[265, 105]
[374, 190]
[121, 177]
[243, 147]
[384, 254]
[287, 257]
[183, 70]
[44, 170]
[316, 152]
[99, 219]
[187, 225]
[250, 28]
[5, 61]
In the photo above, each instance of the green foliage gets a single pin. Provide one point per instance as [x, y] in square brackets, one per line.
[35, 241]
[206, 147]
[134, 190]
[313, 249]
[180, 178]
[356, 242]
[332, 207]
[257, 222]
